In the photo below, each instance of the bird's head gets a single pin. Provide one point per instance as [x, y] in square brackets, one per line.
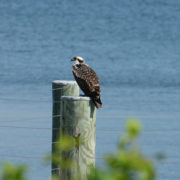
[78, 60]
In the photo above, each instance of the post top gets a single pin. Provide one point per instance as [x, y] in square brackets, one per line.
[81, 98]
[64, 82]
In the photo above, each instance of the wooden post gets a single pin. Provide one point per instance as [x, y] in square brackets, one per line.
[60, 88]
[79, 122]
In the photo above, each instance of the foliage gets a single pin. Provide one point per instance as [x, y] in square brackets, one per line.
[60, 158]
[13, 172]
[128, 163]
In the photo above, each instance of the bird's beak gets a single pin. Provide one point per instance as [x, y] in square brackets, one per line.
[72, 59]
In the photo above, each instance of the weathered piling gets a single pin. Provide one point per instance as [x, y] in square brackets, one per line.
[79, 122]
[60, 88]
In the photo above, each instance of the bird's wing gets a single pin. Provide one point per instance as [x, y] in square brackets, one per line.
[87, 79]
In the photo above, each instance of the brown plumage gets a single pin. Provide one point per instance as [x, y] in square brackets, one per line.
[87, 80]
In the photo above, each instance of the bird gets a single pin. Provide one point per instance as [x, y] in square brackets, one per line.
[87, 80]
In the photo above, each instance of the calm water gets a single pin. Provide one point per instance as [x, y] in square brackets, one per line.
[134, 46]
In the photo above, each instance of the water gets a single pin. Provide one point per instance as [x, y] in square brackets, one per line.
[132, 45]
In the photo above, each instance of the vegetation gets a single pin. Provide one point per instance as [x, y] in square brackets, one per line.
[13, 172]
[128, 163]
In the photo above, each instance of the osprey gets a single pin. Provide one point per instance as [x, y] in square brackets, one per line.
[87, 80]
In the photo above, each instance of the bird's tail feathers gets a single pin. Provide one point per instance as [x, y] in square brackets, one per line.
[97, 102]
